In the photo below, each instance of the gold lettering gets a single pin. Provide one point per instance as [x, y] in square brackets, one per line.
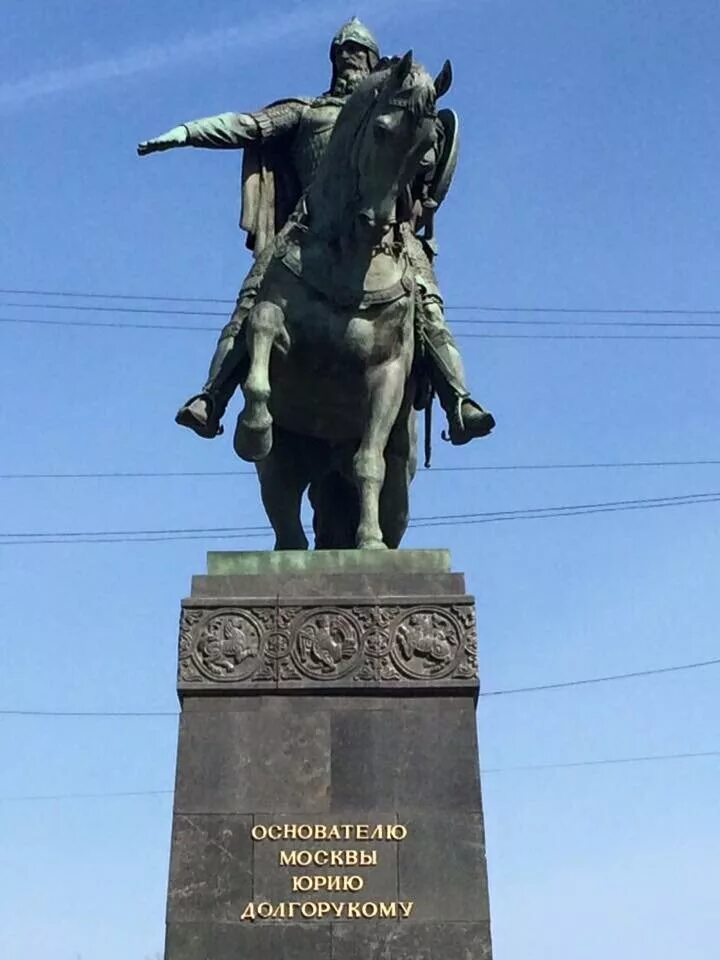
[258, 832]
[320, 858]
[304, 831]
[279, 912]
[347, 831]
[290, 832]
[292, 906]
[388, 910]
[337, 858]
[351, 858]
[353, 910]
[354, 883]
[398, 832]
[334, 833]
[288, 858]
[274, 831]
[407, 909]
[309, 910]
[249, 912]
[301, 884]
[264, 910]
[378, 833]
[323, 908]
[338, 909]
[320, 831]
[368, 858]
[334, 883]
[304, 858]
[362, 831]
[369, 910]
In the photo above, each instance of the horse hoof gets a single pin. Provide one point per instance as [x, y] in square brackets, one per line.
[252, 445]
[372, 543]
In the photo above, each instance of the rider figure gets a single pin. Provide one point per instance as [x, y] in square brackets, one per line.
[283, 145]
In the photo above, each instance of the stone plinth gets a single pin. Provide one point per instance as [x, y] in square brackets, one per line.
[327, 802]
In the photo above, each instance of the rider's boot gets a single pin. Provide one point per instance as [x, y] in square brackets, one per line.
[228, 368]
[467, 420]
[203, 412]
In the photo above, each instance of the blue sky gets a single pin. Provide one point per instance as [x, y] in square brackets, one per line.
[588, 177]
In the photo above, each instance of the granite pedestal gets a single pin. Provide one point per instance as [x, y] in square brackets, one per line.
[327, 801]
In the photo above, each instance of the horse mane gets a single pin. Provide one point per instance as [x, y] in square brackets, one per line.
[416, 95]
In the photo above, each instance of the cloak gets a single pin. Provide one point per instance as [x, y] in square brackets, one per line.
[270, 189]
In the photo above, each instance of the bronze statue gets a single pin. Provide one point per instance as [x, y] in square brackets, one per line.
[340, 283]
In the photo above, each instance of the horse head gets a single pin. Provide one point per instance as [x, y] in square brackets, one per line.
[381, 136]
[400, 129]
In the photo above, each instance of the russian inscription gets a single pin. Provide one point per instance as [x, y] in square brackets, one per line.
[353, 883]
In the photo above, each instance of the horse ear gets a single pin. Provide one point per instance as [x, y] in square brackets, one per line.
[402, 71]
[443, 81]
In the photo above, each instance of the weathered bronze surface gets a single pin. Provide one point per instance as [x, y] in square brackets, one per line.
[338, 334]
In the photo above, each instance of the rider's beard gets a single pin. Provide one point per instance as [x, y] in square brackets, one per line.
[348, 81]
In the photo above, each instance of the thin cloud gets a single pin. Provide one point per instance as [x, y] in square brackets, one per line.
[302, 20]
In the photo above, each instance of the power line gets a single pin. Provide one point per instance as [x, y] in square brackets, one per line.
[109, 326]
[88, 796]
[174, 311]
[466, 336]
[604, 762]
[93, 295]
[646, 758]
[544, 513]
[586, 336]
[461, 336]
[486, 308]
[562, 509]
[121, 714]
[173, 474]
[606, 679]
[79, 714]
[437, 520]
[159, 311]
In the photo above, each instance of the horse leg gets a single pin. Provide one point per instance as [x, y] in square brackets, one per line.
[400, 467]
[253, 433]
[335, 503]
[386, 385]
[283, 479]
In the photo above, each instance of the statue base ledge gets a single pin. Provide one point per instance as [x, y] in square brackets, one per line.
[258, 562]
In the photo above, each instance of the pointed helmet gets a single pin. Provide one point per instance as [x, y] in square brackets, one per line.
[354, 31]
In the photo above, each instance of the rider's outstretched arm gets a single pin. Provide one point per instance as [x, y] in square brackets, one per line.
[227, 131]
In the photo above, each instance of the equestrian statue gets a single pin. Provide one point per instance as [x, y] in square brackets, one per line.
[338, 334]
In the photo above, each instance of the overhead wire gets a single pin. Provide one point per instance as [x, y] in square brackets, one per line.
[643, 758]
[687, 325]
[489, 308]
[9, 538]
[558, 685]
[174, 311]
[467, 336]
[460, 335]
[194, 474]
[530, 767]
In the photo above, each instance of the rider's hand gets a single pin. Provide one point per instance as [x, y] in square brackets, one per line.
[177, 137]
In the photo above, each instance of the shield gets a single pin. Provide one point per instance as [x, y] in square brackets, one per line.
[447, 161]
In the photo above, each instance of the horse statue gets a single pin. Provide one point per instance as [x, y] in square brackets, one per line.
[333, 328]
